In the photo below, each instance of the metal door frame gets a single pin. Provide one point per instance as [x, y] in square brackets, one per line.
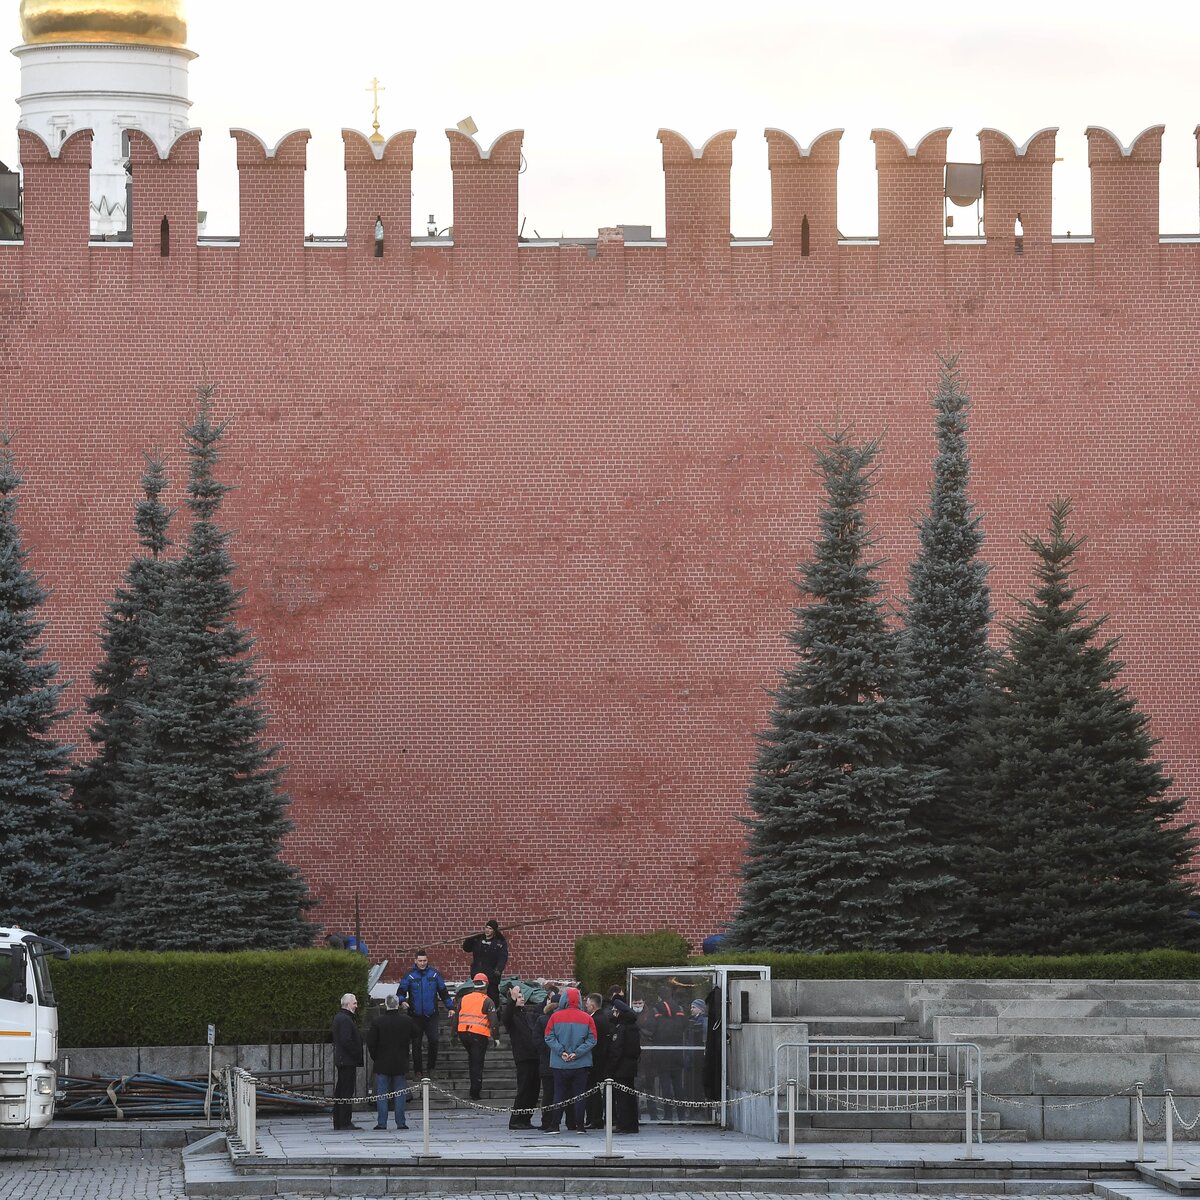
[720, 973]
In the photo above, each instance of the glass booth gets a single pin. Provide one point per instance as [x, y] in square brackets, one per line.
[683, 1017]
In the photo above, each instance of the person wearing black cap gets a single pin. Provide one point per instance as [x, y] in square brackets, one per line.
[489, 956]
[476, 1029]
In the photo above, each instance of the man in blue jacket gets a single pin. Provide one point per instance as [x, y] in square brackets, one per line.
[421, 989]
[570, 1034]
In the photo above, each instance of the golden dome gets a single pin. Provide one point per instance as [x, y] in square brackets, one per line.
[127, 22]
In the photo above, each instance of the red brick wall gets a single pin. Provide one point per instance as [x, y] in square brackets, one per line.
[517, 527]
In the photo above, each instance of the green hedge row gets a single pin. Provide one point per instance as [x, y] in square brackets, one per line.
[602, 958]
[137, 998]
[1148, 964]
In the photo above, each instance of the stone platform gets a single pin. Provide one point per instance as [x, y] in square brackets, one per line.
[470, 1152]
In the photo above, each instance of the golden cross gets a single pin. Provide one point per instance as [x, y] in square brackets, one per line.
[375, 88]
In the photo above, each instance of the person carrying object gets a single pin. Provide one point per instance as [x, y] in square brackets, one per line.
[489, 955]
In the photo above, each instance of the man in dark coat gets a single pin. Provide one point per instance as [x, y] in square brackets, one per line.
[521, 1020]
[389, 1040]
[545, 1071]
[489, 956]
[601, 1017]
[347, 1058]
[624, 1050]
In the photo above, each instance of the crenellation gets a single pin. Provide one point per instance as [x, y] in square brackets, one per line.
[804, 230]
[1125, 207]
[485, 210]
[379, 199]
[912, 185]
[697, 212]
[805, 258]
[271, 207]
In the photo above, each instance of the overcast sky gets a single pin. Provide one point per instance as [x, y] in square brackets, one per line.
[591, 85]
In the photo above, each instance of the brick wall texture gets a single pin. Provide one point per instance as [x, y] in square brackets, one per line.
[518, 527]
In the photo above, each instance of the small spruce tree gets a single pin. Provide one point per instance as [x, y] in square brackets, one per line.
[41, 851]
[946, 655]
[101, 784]
[1079, 848]
[832, 861]
[206, 819]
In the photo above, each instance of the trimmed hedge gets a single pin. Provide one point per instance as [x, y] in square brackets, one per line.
[1148, 964]
[602, 958]
[138, 998]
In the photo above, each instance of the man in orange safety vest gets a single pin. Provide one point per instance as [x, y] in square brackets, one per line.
[476, 1028]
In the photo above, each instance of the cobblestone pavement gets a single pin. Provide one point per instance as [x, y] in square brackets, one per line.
[157, 1175]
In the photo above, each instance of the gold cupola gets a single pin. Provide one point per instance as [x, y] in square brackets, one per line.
[124, 22]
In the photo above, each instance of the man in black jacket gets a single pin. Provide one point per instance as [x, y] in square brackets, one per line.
[489, 956]
[389, 1040]
[521, 1019]
[347, 1058]
[599, 1071]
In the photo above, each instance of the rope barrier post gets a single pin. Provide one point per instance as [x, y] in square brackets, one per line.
[425, 1151]
[791, 1119]
[1169, 1115]
[1141, 1125]
[608, 1120]
[969, 1086]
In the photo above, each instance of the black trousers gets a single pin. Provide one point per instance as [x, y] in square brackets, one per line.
[476, 1045]
[529, 1087]
[427, 1029]
[625, 1109]
[594, 1104]
[343, 1089]
[548, 1109]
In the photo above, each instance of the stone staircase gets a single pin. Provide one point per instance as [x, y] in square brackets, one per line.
[499, 1074]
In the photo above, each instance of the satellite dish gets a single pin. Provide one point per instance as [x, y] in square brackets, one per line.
[375, 974]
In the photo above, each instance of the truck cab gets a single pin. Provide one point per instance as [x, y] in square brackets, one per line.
[28, 1029]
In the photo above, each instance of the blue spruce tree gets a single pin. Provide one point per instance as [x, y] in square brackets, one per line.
[206, 818]
[1080, 849]
[946, 657]
[41, 852]
[833, 862]
[101, 785]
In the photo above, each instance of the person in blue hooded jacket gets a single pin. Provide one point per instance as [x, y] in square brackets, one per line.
[570, 1035]
[421, 989]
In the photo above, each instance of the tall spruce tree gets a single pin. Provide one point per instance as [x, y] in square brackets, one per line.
[945, 637]
[1079, 850]
[832, 861]
[40, 847]
[206, 818]
[101, 784]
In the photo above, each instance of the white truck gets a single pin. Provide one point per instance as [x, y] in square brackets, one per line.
[28, 1029]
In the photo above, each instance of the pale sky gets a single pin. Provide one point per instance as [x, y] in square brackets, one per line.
[592, 85]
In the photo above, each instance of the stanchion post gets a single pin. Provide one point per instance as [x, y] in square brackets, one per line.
[969, 1087]
[608, 1126]
[425, 1151]
[1169, 1117]
[1140, 1123]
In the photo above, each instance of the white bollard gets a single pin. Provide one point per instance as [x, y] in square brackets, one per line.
[1141, 1130]
[1169, 1117]
[969, 1085]
[425, 1151]
[608, 1125]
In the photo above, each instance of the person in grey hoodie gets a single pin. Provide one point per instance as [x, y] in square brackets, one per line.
[570, 1034]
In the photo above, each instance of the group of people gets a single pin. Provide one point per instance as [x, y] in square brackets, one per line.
[563, 1044]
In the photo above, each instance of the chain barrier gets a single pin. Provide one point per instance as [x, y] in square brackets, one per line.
[1152, 1123]
[1059, 1107]
[1187, 1127]
[829, 1097]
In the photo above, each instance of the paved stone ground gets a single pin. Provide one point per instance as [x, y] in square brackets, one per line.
[157, 1175]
